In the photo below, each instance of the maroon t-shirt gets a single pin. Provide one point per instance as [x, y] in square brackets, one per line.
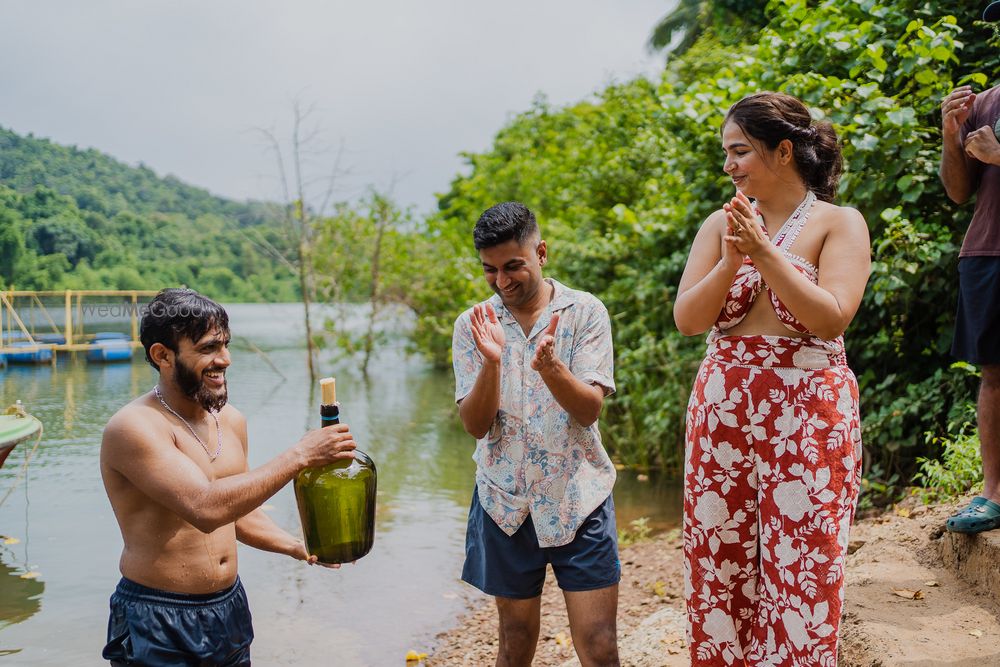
[983, 237]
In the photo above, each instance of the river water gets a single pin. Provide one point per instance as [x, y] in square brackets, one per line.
[59, 525]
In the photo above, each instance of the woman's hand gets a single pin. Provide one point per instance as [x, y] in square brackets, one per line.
[732, 258]
[743, 231]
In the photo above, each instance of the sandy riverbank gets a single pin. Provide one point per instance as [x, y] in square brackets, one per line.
[652, 583]
[891, 552]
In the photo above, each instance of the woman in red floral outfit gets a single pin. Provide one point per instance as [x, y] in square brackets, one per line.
[773, 455]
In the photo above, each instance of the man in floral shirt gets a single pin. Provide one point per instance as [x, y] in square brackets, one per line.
[532, 367]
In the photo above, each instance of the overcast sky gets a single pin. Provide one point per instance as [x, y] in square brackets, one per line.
[180, 85]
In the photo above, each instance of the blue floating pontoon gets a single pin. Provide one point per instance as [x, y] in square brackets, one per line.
[111, 335]
[110, 346]
[32, 355]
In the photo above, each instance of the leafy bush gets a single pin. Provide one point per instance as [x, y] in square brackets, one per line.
[621, 183]
[638, 530]
[960, 467]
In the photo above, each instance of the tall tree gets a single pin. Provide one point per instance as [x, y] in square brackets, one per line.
[11, 245]
[690, 18]
[299, 216]
[364, 252]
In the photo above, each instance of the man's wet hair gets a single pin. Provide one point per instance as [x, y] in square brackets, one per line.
[177, 313]
[503, 222]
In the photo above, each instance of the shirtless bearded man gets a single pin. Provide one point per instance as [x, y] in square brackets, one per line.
[174, 463]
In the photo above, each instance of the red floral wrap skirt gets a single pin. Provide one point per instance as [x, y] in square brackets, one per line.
[772, 471]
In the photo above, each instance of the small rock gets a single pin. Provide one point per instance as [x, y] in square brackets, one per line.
[908, 594]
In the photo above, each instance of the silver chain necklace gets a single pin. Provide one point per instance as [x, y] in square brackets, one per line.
[218, 429]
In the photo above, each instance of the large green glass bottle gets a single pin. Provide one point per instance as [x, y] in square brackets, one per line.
[337, 501]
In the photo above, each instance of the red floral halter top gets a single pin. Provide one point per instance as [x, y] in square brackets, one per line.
[748, 282]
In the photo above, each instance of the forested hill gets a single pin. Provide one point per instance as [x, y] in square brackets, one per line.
[80, 219]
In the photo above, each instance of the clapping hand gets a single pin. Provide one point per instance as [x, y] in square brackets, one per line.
[982, 145]
[487, 332]
[545, 354]
[743, 231]
[955, 109]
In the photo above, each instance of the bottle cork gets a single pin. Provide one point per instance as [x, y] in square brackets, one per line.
[328, 387]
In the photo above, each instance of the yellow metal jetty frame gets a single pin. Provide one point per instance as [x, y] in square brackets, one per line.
[12, 323]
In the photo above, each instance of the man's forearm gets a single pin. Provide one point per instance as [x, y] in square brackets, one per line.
[228, 499]
[956, 174]
[581, 400]
[259, 531]
[480, 407]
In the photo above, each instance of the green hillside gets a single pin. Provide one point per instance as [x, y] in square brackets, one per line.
[79, 219]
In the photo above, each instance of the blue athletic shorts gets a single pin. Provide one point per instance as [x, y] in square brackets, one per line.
[977, 323]
[151, 627]
[513, 566]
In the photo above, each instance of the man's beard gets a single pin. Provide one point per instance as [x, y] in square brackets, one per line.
[192, 386]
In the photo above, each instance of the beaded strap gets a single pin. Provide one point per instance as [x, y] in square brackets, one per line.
[796, 221]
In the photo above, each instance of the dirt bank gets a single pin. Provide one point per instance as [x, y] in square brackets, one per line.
[904, 605]
[651, 583]
[948, 621]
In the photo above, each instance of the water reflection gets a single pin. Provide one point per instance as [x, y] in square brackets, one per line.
[20, 599]
[653, 496]
[411, 426]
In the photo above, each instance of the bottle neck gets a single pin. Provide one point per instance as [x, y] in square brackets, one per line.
[329, 415]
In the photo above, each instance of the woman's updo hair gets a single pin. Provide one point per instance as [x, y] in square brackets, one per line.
[773, 117]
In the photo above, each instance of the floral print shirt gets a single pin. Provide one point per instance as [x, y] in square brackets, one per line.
[536, 459]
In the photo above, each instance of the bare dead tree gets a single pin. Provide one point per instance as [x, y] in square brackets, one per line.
[299, 218]
[382, 216]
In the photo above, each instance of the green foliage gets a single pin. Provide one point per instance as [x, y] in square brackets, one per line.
[72, 219]
[12, 246]
[638, 530]
[445, 277]
[689, 19]
[62, 236]
[366, 253]
[959, 468]
[621, 184]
